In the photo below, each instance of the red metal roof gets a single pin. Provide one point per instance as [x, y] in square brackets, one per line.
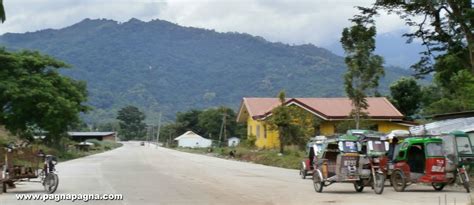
[326, 108]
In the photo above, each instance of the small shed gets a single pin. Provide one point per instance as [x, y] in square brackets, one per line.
[233, 141]
[193, 140]
[101, 136]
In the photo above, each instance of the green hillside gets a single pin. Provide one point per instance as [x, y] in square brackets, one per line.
[161, 66]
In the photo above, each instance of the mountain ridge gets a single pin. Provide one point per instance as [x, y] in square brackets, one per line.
[160, 66]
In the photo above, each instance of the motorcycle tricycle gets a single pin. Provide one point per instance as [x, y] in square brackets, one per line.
[459, 157]
[374, 159]
[313, 149]
[419, 160]
[25, 163]
[339, 162]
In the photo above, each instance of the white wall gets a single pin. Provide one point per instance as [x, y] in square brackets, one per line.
[194, 142]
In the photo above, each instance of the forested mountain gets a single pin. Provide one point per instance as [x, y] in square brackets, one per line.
[161, 66]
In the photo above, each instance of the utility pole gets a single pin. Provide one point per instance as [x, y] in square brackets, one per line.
[147, 133]
[152, 136]
[158, 134]
[223, 128]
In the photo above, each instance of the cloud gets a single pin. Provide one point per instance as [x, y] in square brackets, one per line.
[290, 21]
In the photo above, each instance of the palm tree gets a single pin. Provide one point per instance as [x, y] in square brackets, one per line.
[2, 12]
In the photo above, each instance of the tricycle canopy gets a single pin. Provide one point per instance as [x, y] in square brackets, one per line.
[458, 149]
[433, 147]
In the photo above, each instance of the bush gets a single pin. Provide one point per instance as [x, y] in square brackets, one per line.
[95, 142]
[249, 142]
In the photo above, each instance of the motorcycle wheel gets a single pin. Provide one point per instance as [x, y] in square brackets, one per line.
[50, 183]
[4, 187]
[465, 182]
[398, 181]
[379, 183]
[438, 186]
[359, 186]
[317, 182]
[303, 173]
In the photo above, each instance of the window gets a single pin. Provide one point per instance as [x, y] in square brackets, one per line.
[265, 131]
[376, 146]
[348, 146]
[258, 131]
[464, 146]
[250, 130]
[434, 149]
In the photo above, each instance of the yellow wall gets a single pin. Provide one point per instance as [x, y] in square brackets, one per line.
[268, 140]
[386, 127]
[327, 128]
[271, 140]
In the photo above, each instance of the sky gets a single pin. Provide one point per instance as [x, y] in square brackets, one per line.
[318, 22]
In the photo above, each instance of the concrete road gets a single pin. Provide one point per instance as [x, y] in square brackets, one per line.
[149, 175]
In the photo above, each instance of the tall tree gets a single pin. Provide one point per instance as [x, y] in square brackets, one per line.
[405, 95]
[212, 122]
[364, 67]
[445, 28]
[131, 123]
[34, 95]
[188, 120]
[2, 12]
[281, 119]
[458, 99]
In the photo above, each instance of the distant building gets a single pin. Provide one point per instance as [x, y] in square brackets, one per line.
[101, 136]
[330, 111]
[233, 141]
[192, 140]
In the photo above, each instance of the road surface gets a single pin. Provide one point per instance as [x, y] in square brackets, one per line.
[150, 175]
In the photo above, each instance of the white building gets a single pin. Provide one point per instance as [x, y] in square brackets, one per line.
[233, 141]
[193, 140]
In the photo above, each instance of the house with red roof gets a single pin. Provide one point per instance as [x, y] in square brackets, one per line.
[329, 111]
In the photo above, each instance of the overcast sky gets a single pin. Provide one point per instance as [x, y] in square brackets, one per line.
[290, 21]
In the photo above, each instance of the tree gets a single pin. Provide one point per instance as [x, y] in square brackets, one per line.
[131, 123]
[34, 96]
[2, 12]
[453, 100]
[405, 95]
[445, 29]
[211, 121]
[281, 119]
[364, 67]
[188, 120]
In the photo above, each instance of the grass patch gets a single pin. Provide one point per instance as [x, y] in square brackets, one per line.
[290, 159]
[99, 146]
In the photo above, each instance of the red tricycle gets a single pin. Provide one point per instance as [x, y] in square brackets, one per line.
[419, 160]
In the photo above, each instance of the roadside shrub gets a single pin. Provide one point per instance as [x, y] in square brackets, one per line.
[249, 142]
[107, 145]
[294, 150]
[95, 142]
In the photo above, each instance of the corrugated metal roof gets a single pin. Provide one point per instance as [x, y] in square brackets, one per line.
[445, 126]
[73, 134]
[189, 134]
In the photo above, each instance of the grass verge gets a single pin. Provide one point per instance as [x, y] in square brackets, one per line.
[290, 159]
